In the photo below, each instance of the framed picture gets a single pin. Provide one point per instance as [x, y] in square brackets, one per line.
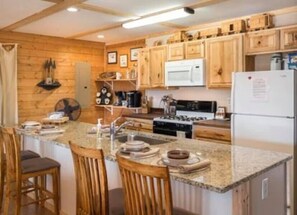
[112, 57]
[124, 60]
[134, 54]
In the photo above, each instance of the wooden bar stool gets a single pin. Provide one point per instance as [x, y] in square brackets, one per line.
[92, 195]
[147, 189]
[25, 155]
[18, 174]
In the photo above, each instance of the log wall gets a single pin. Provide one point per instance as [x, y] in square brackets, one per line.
[33, 50]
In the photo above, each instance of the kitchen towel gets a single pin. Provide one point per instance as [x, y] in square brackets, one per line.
[186, 168]
[151, 152]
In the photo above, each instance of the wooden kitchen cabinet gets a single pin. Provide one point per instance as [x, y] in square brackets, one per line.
[194, 49]
[176, 51]
[158, 56]
[288, 38]
[221, 135]
[262, 41]
[144, 68]
[140, 124]
[224, 55]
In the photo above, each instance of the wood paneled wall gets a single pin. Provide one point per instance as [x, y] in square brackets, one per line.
[33, 50]
[121, 49]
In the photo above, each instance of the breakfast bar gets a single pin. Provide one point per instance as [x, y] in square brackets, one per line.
[233, 182]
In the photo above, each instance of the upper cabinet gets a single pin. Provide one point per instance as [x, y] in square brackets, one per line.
[288, 38]
[144, 68]
[176, 51]
[158, 56]
[194, 49]
[262, 41]
[186, 50]
[224, 55]
[151, 67]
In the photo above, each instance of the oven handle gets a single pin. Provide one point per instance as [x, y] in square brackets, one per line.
[169, 131]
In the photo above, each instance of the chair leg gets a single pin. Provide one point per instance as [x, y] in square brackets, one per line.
[7, 198]
[56, 190]
[18, 197]
[1, 186]
[42, 188]
[36, 188]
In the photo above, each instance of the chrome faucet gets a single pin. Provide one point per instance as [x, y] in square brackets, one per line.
[114, 130]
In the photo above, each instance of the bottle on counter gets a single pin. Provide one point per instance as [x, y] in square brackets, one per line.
[99, 129]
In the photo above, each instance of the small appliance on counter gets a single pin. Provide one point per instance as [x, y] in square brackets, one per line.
[133, 99]
[276, 61]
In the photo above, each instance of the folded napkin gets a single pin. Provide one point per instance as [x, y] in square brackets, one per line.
[51, 131]
[153, 151]
[186, 168]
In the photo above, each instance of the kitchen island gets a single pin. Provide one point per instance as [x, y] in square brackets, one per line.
[231, 185]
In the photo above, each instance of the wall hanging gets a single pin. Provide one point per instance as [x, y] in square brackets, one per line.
[49, 82]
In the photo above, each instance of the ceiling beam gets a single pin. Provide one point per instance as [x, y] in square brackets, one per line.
[172, 25]
[44, 13]
[97, 30]
[104, 10]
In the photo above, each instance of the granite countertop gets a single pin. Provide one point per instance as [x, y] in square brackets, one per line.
[215, 123]
[230, 165]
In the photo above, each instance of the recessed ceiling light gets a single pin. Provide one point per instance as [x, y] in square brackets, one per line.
[72, 9]
[100, 36]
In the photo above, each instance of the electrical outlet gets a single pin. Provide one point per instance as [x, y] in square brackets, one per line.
[264, 188]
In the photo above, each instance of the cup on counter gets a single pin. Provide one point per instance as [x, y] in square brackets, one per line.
[180, 134]
[131, 137]
[124, 103]
[118, 75]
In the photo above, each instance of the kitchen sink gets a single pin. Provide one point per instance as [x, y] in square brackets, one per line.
[149, 140]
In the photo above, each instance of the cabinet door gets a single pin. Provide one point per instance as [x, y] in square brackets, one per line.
[176, 51]
[194, 49]
[288, 38]
[158, 56]
[262, 41]
[224, 56]
[144, 69]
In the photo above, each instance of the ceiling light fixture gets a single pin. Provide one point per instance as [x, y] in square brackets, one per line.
[72, 9]
[100, 36]
[162, 17]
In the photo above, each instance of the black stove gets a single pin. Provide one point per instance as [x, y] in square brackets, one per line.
[187, 113]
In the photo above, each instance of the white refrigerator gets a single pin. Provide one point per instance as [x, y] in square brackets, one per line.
[263, 106]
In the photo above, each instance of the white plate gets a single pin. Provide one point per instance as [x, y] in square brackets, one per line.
[135, 143]
[134, 147]
[177, 162]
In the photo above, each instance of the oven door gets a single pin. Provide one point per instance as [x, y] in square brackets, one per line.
[172, 129]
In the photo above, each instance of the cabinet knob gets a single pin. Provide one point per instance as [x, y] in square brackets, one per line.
[220, 71]
[259, 42]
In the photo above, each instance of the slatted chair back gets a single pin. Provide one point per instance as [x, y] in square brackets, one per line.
[91, 181]
[147, 188]
[12, 149]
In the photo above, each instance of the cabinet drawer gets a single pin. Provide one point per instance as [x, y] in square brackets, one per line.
[140, 124]
[262, 41]
[214, 133]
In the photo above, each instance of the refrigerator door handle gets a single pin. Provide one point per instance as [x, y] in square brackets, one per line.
[232, 128]
[233, 92]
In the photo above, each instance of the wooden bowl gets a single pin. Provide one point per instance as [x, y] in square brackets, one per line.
[178, 154]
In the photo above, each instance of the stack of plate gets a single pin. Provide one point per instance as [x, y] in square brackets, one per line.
[134, 146]
[175, 159]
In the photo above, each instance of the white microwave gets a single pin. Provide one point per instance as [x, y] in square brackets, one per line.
[185, 73]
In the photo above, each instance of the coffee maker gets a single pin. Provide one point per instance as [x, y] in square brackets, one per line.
[133, 98]
[121, 95]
